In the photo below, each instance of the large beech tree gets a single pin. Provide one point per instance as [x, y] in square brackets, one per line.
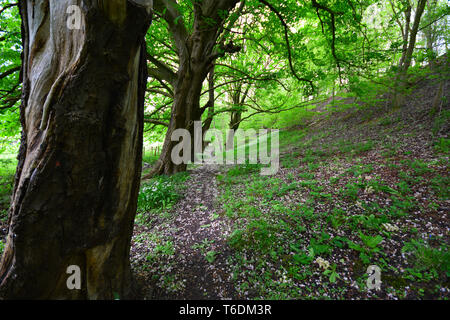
[79, 168]
[202, 32]
[197, 48]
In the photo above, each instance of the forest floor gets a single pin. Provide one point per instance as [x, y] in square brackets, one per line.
[358, 186]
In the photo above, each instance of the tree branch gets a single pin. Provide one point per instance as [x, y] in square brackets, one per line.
[288, 45]
[157, 122]
[8, 6]
[9, 72]
[162, 71]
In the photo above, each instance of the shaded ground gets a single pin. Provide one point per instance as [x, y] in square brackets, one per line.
[361, 187]
[195, 234]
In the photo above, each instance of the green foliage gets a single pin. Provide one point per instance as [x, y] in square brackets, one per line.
[324, 193]
[243, 169]
[319, 246]
[7, 170]
[426, 257]
[370, 242]
[211, 256]
[258, 234]
[442, 145]
[351, 190]
[150, 158]
[165, 249]
[370, 247]
[331, 273]
[2, 248]
[440, 121]
[10, 87]
[419, 167]
[440, 184]
[161, 192]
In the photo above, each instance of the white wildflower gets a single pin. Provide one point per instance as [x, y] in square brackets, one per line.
[369, 190]
[390, 227]
[359, 205]
[324, 264]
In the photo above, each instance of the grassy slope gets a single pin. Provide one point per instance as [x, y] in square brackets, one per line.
[366, 186]
[357, 187]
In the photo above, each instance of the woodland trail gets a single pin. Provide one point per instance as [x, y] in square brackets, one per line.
[195, 223]
[198, 263]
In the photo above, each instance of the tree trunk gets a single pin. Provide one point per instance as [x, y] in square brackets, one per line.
[238, 98]
[78, 175]
[197, 55]
[413, 37]
[406, 60]
[430, 35]
[211, 101]
[185, 110]
[405, 33]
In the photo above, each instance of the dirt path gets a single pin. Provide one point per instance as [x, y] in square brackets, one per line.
[197, 232]
[198, 223]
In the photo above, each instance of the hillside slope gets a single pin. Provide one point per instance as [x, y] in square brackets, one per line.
[357, 187]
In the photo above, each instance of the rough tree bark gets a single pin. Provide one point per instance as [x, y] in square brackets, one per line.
[78, 175]
[197, 52]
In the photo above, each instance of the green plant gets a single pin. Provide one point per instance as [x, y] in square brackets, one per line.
[286, 188]
[363, 147]
[160, 192]
[3, 215]
[403, 188]
[369, 222]
[426, 257]
[379, 186]
[203, 246]
[351, 190]
[440, 121]
[7, 170]
[258, 235]
[359, 170]
[440, 184]
[211, 256]
[370, 246]
[336, 218]
[2, 248]
[165, 249]
[331, 273]
[419, 167]
[243, 169]
[442, 145]
[369, 241]
[319, 246]
[302, 258]
[306, 175]
[236, 239]
[306, 212]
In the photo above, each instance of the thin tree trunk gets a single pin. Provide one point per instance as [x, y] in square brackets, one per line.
[237, 99]
[197, 54]
[406, 60]
[186, 109]
[405, 33]
[413, 36]
[78, 175]
[210, 106]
